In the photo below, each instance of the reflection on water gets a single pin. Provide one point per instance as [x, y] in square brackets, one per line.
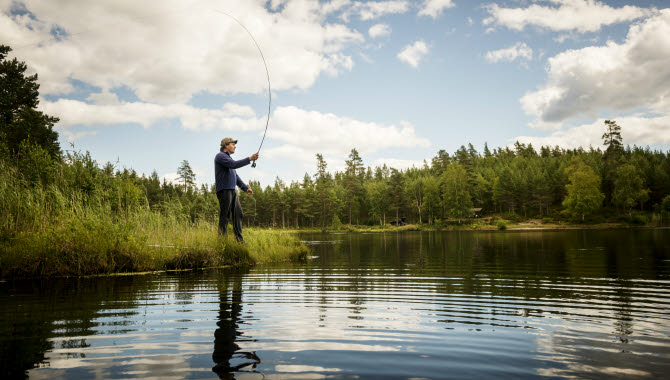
[228, 356]
[585, 304]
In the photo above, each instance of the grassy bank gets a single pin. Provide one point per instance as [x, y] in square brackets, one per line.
[145, 242]
[71, 218]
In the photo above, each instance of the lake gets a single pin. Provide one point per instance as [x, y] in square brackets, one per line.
[408, 305]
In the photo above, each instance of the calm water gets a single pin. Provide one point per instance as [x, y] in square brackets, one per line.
[585, 304]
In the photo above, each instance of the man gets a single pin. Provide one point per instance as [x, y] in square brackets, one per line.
[226, 178]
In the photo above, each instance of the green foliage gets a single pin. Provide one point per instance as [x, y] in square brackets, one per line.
[501, 224]
[336, 224]
[431, 197]
[353, 184]
[638, 219]
[379, 198]
[665, 205]
[456, 191]
[584, 196]
[186, 176]
[628, 188]
[414, 192]
[612, 138]
[36, 165]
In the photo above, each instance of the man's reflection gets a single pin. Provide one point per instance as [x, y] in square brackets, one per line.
[227, 357]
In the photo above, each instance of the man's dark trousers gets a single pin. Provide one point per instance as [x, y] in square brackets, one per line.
[229, 205]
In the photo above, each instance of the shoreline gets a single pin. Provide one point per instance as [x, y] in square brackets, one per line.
[482, 227]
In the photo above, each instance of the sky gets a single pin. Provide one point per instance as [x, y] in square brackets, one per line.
[148, 84]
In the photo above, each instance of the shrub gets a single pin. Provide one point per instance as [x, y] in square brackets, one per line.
[337, 224]
[638, 220]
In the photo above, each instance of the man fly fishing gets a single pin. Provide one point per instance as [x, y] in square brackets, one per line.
[226, 179]
[224, 165]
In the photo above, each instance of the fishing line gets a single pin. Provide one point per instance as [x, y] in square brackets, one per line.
[267, 73]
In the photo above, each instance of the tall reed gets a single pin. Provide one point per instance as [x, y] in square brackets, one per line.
[77, 220]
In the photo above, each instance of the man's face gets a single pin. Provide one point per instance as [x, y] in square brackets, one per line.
[230, 148]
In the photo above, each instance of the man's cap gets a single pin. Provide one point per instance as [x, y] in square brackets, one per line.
[227, 141]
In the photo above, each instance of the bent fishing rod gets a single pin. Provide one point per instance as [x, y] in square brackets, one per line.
[267, 73]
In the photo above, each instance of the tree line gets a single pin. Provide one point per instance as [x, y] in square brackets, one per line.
[593, 184]
[515, 182]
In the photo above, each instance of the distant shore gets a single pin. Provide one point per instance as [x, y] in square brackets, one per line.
[530, 225]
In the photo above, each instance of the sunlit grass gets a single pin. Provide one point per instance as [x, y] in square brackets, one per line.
[53, 231]
[145, 242]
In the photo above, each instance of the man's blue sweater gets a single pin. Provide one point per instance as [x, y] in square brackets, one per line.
[224, 172]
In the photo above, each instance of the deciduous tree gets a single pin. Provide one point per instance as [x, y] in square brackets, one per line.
[584, 195]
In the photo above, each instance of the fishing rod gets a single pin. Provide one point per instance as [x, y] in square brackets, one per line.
[267, 73]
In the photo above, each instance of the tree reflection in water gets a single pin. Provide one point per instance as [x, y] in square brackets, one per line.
[227, 356]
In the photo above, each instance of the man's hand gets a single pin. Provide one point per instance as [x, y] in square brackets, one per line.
[253, 157]
[250, 192]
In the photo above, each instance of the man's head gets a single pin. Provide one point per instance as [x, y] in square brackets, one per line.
[228, 145]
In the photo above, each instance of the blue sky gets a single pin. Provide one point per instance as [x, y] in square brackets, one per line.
[152, 84]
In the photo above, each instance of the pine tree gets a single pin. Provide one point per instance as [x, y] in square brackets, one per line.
[487, 152]
[614, 143]
[186, 176]
[323, 188]
[353, 182]
[456, 192]
[19, 119]
[396, 186]
[612, 138]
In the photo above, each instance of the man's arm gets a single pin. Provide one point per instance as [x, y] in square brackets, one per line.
[229, 163]
[241, 184]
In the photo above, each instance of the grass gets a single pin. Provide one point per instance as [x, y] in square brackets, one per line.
[66, 226]
[146, 242]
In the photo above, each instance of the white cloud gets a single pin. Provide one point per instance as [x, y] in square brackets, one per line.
[519, 50]
[304, 133]
[414, 53]
[617, 77]
[102, 98]
[398, 163]
[434, 8]
[371, 10]
[166, 57]
[635, 130]
[300, 133]
[366, 58]
[379, 30]
[170, 178]
[579, 15]
[74, 113]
